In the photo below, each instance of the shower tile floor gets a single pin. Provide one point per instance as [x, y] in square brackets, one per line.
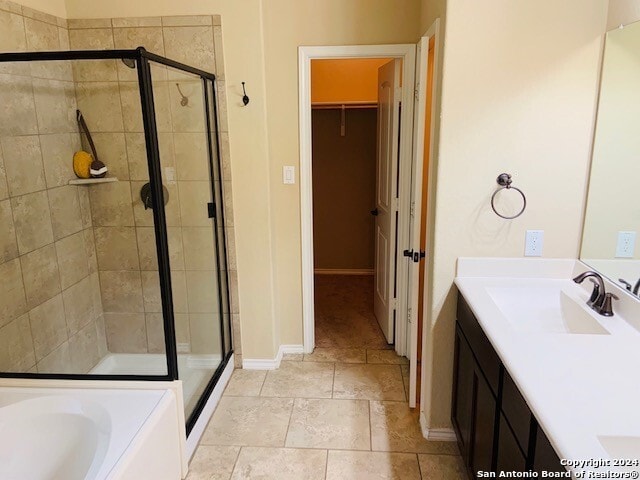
[338, 413]
[195, 371]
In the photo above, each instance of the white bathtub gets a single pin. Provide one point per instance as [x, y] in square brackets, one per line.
[72, 434]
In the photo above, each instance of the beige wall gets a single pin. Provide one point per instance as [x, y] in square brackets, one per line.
[288, 24]
[517, 101]
[622, 12]
[51, 7]
[430, 10]
[613, 204]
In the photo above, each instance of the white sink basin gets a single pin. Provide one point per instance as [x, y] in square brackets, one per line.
[542, 309]
[624, 447]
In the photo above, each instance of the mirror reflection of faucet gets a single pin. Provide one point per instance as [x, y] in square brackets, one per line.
[635, 289]
[626, 284]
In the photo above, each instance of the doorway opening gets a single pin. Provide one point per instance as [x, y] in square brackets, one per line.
[386, 289]
[353, 102]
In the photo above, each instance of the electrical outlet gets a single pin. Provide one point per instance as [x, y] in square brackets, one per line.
[626, 244]
[534, 241]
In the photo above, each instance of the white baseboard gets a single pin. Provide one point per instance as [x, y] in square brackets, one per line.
[198, 429]
[259, 364]
[436, 434]
[343, 271]
[290, 349]
[271, 364]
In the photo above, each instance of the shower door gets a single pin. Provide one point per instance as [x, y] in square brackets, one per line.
[185, 113]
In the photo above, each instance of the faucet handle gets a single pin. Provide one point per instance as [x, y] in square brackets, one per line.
[595, 293]
[607, 309]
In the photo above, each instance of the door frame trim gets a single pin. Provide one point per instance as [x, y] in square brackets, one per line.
[406, 52]
[419, 186]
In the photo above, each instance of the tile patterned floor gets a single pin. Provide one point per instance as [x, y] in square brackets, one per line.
[315, 419]
[344, 313]
[340, 413]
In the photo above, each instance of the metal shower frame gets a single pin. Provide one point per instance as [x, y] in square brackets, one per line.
[143, 58]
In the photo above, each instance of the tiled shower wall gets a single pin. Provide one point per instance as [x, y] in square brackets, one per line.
[50, 295]
[125, 239]
[50, 307]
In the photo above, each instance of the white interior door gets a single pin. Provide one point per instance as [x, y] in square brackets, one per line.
[416, 214]
[389, 94]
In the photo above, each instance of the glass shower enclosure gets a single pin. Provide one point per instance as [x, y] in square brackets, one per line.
[121, 277]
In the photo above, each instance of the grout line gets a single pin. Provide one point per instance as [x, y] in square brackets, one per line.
[264, 380]
[326, 464]
[302, 398]
[419, 468]
[293, 405]
[235, 462]
[333, 382]
[404, 387]
[370, 429]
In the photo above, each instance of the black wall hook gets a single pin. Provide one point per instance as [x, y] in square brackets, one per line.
[245, 98]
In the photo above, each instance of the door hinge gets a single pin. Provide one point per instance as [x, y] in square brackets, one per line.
[409, 315]
[394, 203]
[211, 210]
[412, 209]
[415, 256]
[393, 302]
[416, 93]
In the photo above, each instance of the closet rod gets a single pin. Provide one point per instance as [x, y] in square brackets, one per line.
[337, 105]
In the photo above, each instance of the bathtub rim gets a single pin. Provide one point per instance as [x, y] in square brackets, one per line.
[174, 386]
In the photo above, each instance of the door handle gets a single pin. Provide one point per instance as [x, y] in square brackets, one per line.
[415, 256]
[374, 212]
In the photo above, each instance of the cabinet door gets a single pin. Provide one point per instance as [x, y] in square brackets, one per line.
[484, 426]
[545, 457]
[510, 457]
[463, 387]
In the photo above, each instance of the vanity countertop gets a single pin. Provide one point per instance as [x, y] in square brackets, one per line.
[584, 389]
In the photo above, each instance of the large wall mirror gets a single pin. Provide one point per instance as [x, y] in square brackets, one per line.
[611, 237]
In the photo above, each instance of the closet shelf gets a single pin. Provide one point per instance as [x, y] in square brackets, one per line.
[92, 181]
[338, 105]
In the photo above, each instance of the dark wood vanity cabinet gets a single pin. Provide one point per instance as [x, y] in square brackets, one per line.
[474, 406]
[495, 428]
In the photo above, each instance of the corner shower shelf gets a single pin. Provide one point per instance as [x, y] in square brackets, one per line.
[92, 181]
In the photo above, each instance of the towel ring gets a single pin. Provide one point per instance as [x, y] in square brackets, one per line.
[504, 180]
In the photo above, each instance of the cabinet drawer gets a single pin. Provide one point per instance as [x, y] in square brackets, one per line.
[482, 349]
[516, 411]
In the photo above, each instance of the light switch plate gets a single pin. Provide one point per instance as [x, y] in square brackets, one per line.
[626, 244]
[534, 241]
[288, 175]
